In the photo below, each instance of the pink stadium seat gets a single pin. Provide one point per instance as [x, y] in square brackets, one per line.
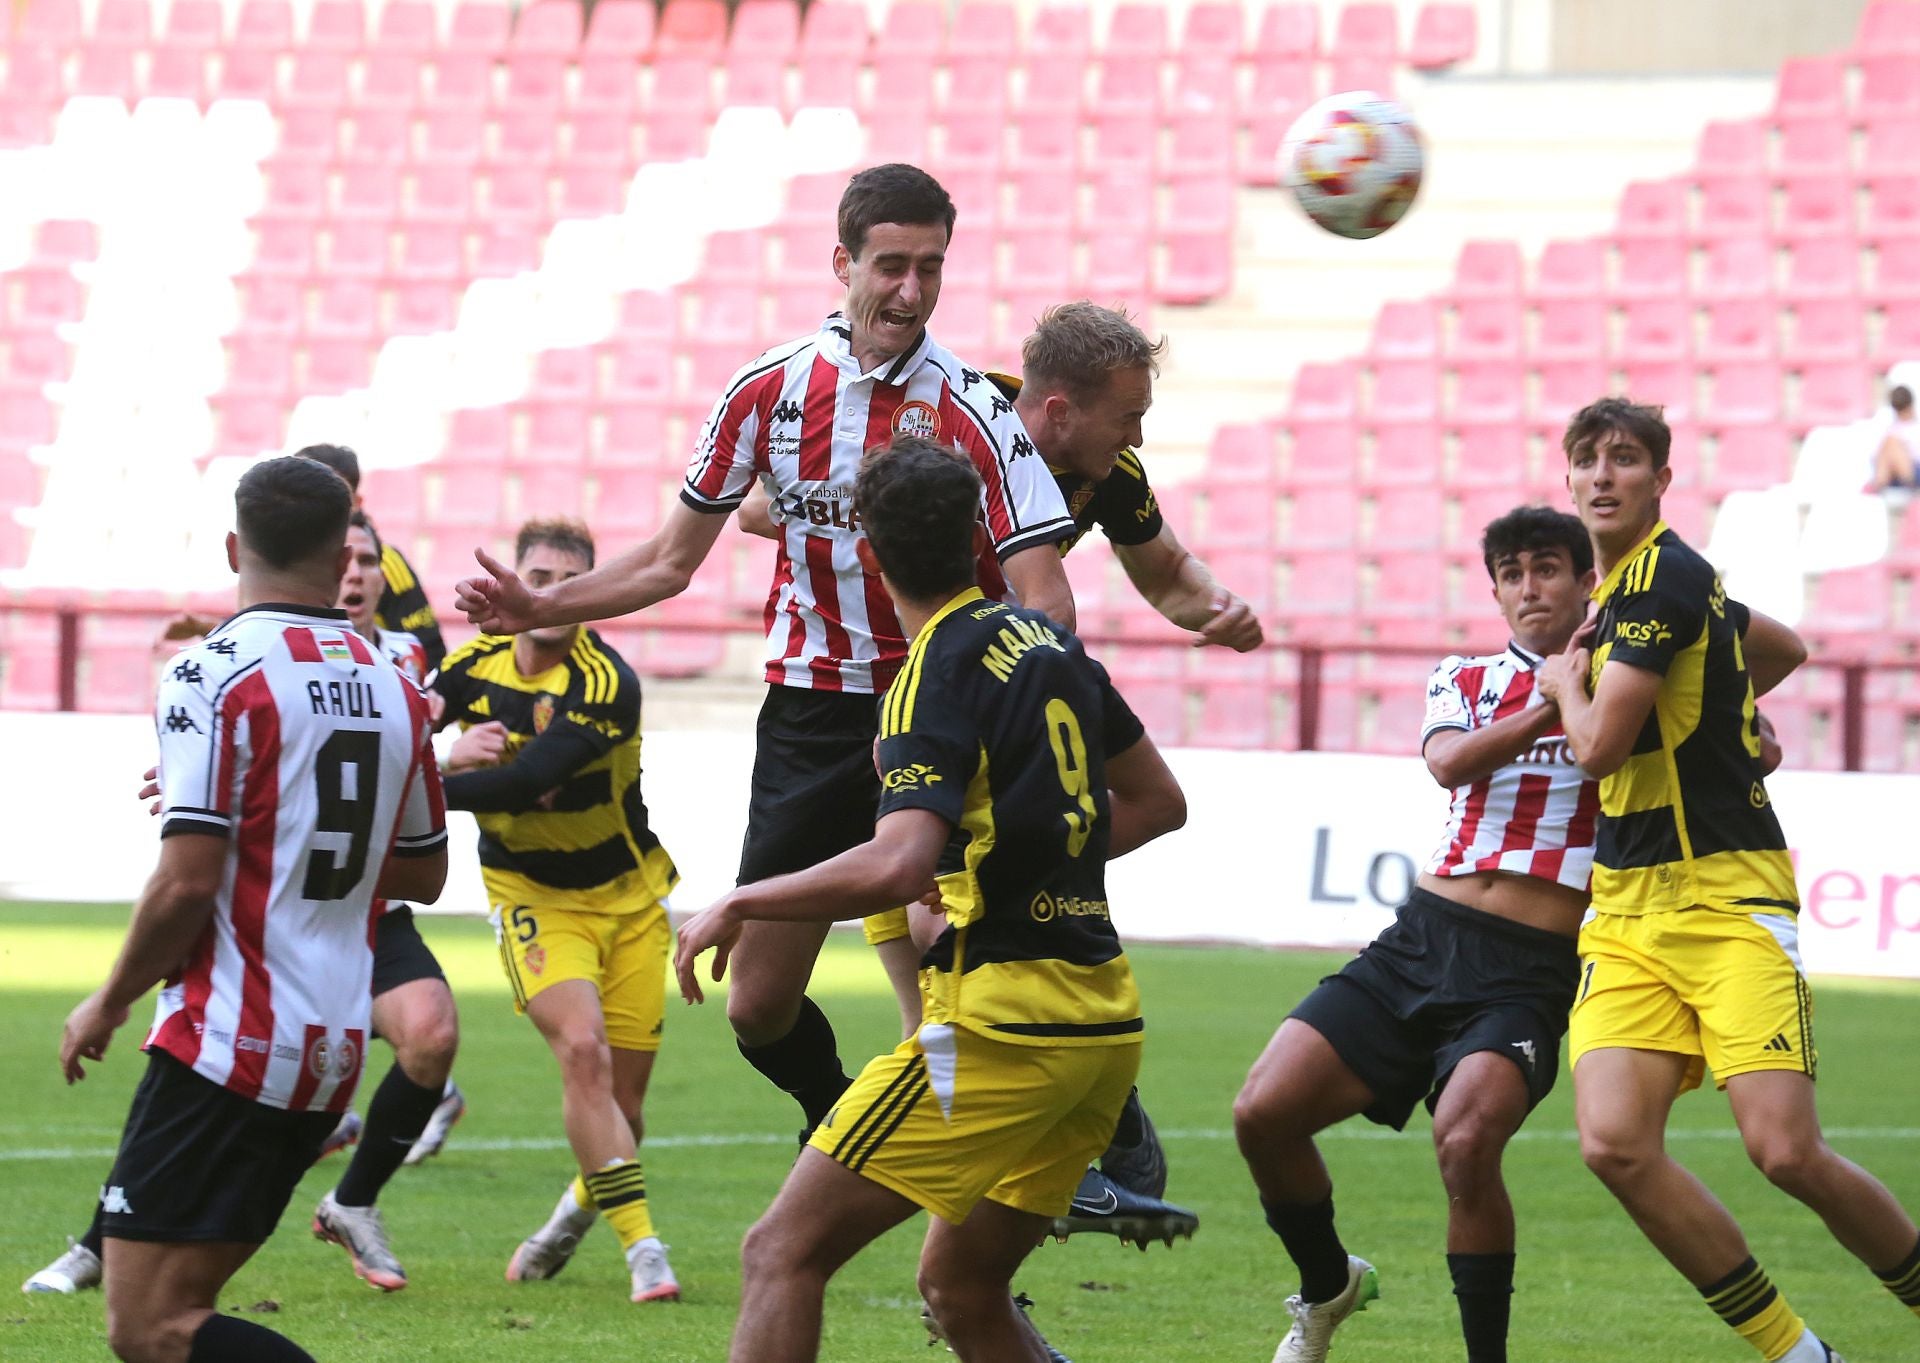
[1129, 141]
[1896, 273]
[755, 82]
[389, 83]
[296, 191]
[976, 87]
[452, 137]
[1405, 330]
[1810, 87]
[1744, 394]
[345, 309]
[35, 358]
[309, 134]
[1281, 90]
[1888, 27]
[61, 242]
[1566, 386]
[1241, 451]
[1239, 519]
[422, 307]
[269, 307]
[1485, 269]
[1288, 32]
[1363, 73]
[471, 498]
[1061, 31]
[1234, 715]
[593, 192]
[529, 136]
[600, 141]
[1215, 28]
[1749, 458]
[768, 29]
[1893, 209]
[1735, 207]
[635, 437]
[507, 248]
[1571, 270]
[1125, 87]
[1741, 330]
[1889, 88]
[1205, 85]
[1367, 30]
[1487, 329]
[681, 85]
[1651, 269]
[1322, 587]
[1202, 208]
[1322, 453]
[444, 194]
[1137, 30]
[829, 83]
[738, 257]
[1488, 393]
[1827, 329]
[1404, 390]
[1406, 454]
[105, 72]
[984, 29]
[1489, 456]
[196, 24]
[1323, 392]
[1570, 328]
[246, 426]
[1818, 206]
[116, 678]
[1832, 394]
[558, 436]
[1822, 269]
[1813, 146]
[177, 73]
[898, 83]
[1119, 269]
[359, 250]
[1735, 148]
[248, 73]
[264, 25]
[1657, 329]
[1899, 337]
[34, 76]
[1406, 518]
[1892, 149]
[318, 80]
[1852, 601]
[259, 367]
[620, 28]
[550, 28]
[641, 372]
[1668, 384]
[534, 78]
[966, 319]
[407, 28]
[1047, 146]
[1740, 267]
[1442, 35]
[433, 253]
[460, 80]
[913, 30]
[1321, 516]
[122, 23]
[1652, 208]
[1038, 261]
[1407, 589]
[369, 193]
[479, 28]
[337, 26]
[337, 365]
[834, 30]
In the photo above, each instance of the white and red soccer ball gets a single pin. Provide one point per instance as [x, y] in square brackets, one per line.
[1353, 162]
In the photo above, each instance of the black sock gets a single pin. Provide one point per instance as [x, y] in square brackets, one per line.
[1483, 1283]
[397, 1115]
[805, 1063]
[228, 1339]
[1133, 1123]
[1903, 1279]
[1306, 1229]
[91, 1240]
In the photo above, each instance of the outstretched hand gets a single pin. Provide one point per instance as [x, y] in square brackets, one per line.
[499, 603]
[715, 927]
[1233, 625]
[90, 1027]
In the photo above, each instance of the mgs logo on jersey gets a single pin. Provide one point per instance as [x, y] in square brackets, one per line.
[917, 776]
[917, 419]
[1641, 634]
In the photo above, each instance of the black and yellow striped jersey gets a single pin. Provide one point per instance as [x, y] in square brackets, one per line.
[581, 840]
[1687, 821]
[1001, 724]
[1122, 504]
[404, 607]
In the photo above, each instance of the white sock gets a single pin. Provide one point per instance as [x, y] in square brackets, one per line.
[647, 1242]
[1808, 1349]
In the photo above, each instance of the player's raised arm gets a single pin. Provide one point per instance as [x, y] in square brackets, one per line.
[650, 572]
[1173, 580]
[1039, 579]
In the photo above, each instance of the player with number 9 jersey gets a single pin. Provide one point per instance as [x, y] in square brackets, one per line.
[290, 734]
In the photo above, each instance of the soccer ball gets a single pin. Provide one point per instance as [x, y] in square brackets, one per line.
[1353, 162]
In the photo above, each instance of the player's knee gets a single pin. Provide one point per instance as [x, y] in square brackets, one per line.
[1261, 1112]
[136, 1338]
[426, 1053]
[1790, 1163]
[1616, 1161]
[1469, 1150]
[770, 1250]
[585, 1059]
[756, 1019]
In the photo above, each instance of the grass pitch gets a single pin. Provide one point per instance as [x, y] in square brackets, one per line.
[720, 1140]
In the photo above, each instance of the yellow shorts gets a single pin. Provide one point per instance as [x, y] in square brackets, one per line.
[949, 1117]
[624, 956]
[882, 928]
[1726, 989]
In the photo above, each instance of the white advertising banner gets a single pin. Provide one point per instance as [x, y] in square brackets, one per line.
[1280, 849]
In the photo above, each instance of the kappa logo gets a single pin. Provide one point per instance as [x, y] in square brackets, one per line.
[226, 648]
[999, 406]
[1022, 447]
[969, 377]
[788, 410]
[1526, 1049]
[179, 721]
[189, 672]
[113, 1201]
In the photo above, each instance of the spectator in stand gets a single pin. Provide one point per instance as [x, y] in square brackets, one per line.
[1899, 450]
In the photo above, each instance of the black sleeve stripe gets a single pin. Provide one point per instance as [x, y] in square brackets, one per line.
[715, 507]
[218, 828]
[410, 850]
[1050, 533]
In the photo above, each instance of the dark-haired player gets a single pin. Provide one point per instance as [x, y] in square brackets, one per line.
[550, 764]
[801, 417]
[999, 736]
[298, 784]
[403, 607]
[1691, 958]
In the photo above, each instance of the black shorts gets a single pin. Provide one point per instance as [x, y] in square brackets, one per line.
[400, 954]
[815, 792]
[200, 1163]
[1441, 984]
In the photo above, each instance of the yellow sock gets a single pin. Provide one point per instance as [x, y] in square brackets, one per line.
[1747, 1300]
[620, 1191]
[582, 1195]
[1903, 1281]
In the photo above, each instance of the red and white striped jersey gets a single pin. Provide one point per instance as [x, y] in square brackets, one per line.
[405, 652]
[288, 734]
[801, 417]
[1536, 815]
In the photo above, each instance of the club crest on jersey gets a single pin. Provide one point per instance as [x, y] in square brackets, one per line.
[536, 958]
[319, 1058]
[917, 419]
[347, 1058]
[543, 712]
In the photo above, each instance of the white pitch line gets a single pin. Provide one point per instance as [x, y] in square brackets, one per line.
[722, 1140]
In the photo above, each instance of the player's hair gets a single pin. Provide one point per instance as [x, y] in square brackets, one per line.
[1644, 422]
[1900, 398]
[339, 458]
[362, 520]
[290, 510]
[919, 502]
[891, 193]
[1530, 529]
[1078, 347]
[564, 533]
